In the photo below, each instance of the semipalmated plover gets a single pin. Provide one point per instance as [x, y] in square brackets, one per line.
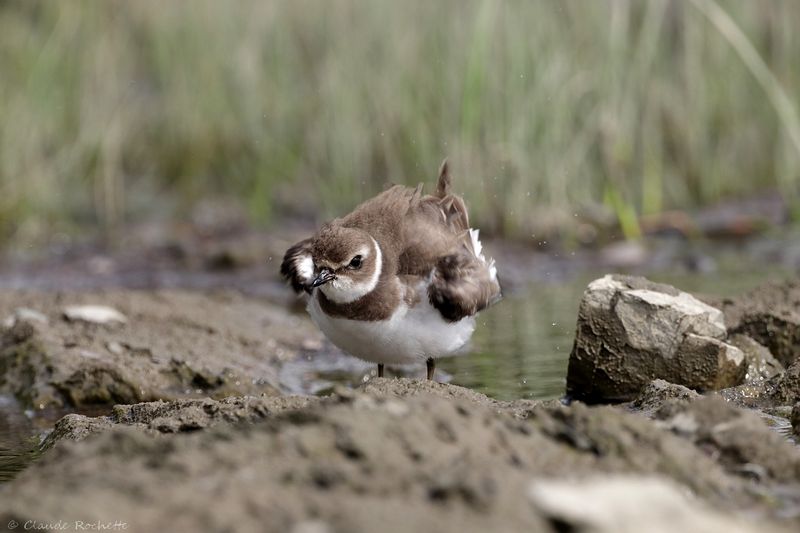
[399, 280]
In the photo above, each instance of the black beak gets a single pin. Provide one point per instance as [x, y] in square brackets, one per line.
[325, 275]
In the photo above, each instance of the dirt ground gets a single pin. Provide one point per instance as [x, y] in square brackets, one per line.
[398, 455]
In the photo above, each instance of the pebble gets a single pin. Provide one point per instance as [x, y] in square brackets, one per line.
[95, 314]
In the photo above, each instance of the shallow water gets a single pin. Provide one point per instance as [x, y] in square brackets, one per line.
[19, 441]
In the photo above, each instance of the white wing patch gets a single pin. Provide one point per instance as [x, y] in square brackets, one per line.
[304, 265]
[477, 248]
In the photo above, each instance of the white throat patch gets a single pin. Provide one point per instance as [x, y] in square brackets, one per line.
[343, 290]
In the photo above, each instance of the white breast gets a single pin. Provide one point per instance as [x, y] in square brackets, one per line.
[411, 335]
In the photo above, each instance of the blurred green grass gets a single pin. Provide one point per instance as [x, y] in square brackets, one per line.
[112, 111]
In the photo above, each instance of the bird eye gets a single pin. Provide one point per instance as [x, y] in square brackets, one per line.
[356, 262]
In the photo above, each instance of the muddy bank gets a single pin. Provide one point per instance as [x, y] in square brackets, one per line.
[164, 344]
[399, 455]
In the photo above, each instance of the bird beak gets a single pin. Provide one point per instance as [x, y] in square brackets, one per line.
[325, 275]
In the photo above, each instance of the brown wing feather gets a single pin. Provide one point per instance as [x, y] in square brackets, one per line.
[432, 228]
[462, 285]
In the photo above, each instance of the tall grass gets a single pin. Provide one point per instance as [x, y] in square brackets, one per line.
[113, 110]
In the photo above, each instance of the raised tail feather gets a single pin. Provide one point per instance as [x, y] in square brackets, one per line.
[443, 185]
[451, 205]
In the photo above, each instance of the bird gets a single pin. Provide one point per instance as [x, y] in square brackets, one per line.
[400, 279]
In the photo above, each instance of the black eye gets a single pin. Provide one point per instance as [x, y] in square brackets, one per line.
[356, 262]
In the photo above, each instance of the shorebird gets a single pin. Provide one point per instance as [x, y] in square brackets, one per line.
[399, 280]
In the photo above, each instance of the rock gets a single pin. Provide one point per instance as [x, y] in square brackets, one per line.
[769, 314]
[628, 504]
[631, 331]
[658, 392]
[95, 314]
[181, 344]
[778, 329]
[436, 458]
[77, 427]
[785, 388]
[795, 419]
[24, 314]
[761, 365]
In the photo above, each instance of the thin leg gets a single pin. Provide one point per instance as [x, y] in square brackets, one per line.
[380, 370]
[431, 367]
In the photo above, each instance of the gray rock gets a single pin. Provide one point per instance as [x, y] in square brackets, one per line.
[95, 314]
[785, 388]
[769, 314]
[658, 391]
[631, 331]
[795, 419]
[24, 314]
[761, 365]
[75, 427]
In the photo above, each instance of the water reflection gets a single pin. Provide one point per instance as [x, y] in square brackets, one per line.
[520, 348]
[19, 441]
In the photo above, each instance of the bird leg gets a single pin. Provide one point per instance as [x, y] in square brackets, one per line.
[380, 370]
[431, 367]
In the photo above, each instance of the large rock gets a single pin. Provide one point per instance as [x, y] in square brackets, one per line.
[631, 331]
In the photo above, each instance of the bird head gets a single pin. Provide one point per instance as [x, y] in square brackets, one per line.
[347, 263]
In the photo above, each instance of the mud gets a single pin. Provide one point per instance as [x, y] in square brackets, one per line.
[395, 455]
[174, 344]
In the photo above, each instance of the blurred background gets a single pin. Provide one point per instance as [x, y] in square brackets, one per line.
[552, 113]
